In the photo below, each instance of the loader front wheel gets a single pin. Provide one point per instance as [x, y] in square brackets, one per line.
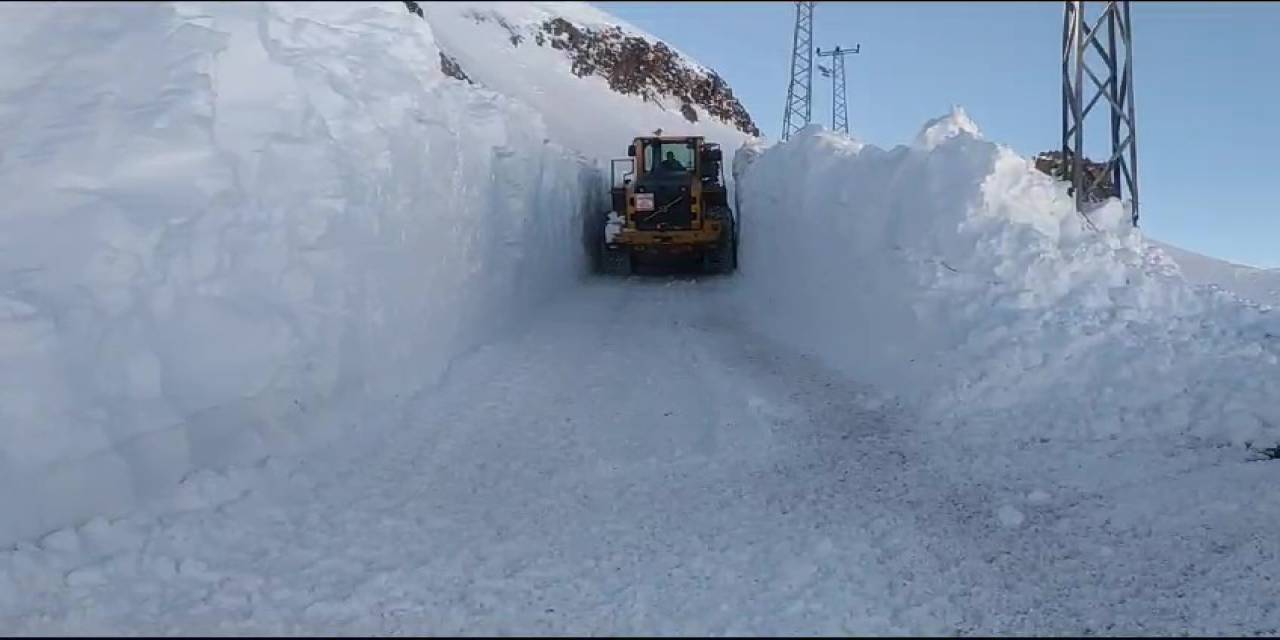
[723, 258]
[615, 262]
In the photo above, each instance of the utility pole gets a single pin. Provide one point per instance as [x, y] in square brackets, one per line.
[1110, 37]
[799, 90]
[839, 105]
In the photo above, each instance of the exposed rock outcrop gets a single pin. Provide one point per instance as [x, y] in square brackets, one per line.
[451, 68]
[634, 66]
[631, 64]
[1051, 163]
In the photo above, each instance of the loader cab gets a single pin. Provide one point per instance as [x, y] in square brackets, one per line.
[677, 158]
[671, 159]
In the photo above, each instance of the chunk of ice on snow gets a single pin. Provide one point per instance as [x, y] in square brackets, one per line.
[612, 226]
[943, 128]
[1009, 516]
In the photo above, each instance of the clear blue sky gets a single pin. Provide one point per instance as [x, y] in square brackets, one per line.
[1206, 90]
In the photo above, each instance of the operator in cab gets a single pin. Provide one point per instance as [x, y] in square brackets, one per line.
[671, 164]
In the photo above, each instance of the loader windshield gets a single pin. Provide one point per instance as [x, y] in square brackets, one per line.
[669, 157]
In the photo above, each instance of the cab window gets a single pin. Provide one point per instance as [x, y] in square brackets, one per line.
[669, 157]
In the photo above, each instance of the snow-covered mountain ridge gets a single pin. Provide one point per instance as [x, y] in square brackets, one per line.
[632, 62]
[623, 81]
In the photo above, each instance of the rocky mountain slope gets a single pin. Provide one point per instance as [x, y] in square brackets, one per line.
[623, 81]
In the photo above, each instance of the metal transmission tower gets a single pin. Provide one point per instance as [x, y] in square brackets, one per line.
[799, 91]
[839, 106]
[1110, 36]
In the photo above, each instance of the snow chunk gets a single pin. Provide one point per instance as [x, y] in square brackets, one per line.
[11, 309]
[1009, 516]
[613, 226]
[62, 540]
[87, 577]
[945, 127]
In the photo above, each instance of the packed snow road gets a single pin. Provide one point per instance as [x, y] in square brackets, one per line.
[630, 460]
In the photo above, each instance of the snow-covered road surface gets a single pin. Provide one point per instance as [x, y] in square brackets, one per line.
[633, 460]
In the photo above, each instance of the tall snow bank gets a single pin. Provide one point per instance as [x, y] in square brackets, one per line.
[955, 274]
[232, 227]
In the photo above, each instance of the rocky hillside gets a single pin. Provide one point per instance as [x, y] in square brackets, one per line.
[631, 63]
[634, 66]
[1051, 163]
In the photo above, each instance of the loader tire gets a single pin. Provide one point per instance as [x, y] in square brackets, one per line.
[723, 259]
[615, 262]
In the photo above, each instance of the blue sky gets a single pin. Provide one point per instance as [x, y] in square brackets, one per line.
[1206, 91]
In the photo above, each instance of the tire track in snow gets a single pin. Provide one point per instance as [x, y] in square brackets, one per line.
[629, 461]
[590, 474]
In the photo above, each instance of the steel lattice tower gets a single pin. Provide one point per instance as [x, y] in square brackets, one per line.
[839, 105]
[800, 90]
[1110, 37]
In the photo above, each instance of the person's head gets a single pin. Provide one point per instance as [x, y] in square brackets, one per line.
[671, 155]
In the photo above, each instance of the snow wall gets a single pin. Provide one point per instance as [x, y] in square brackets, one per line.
[230, 228]
[952, 273]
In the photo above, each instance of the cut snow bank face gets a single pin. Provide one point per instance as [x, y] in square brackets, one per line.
[230, 227]
[957, 275]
